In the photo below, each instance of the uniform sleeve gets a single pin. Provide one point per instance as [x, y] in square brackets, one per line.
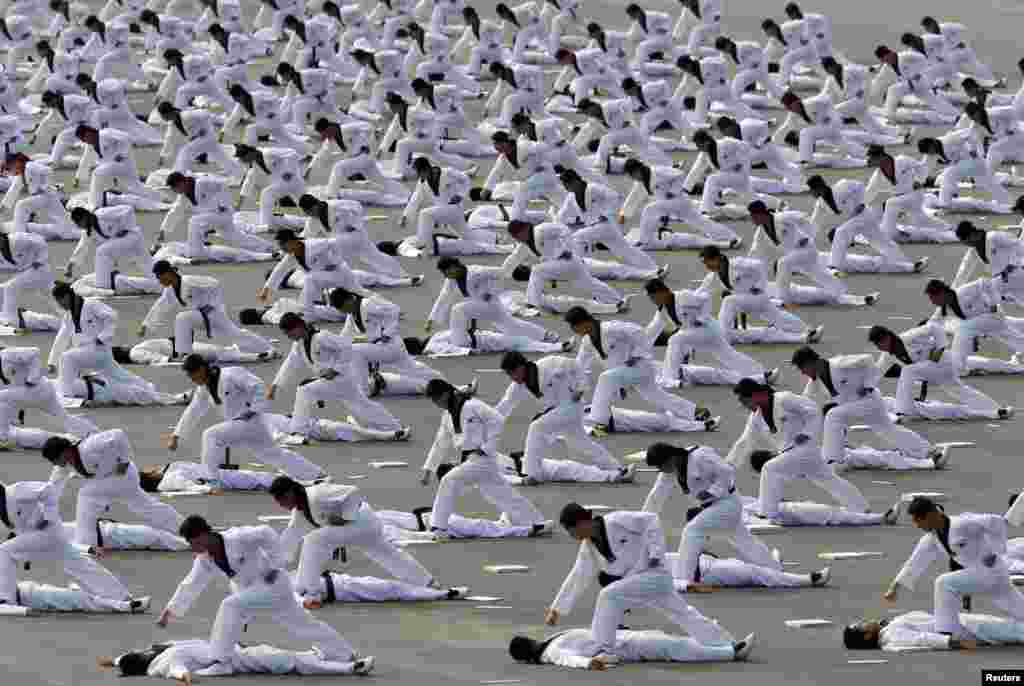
[925, 553]
[196, 410]
[81, 249]
[191, 587]
[442, 448]
[654, 536]
[292, 365]
[161, 310]
[419, 198]
[501, 167]
[660, 493]
[514, 394]
[557, 655]
[516, 258]
[578, 580]
[63, 340]
[446, 299]
[754, 437]
[635, 200]
[281, 270]
[718, 475]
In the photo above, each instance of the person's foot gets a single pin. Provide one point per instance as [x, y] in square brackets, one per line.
[542, 529]
[777, 556]
[711, 424]
[919, 265]
[626, 475]
[416, 280]
[772, 375]
[743, 648]
[814, 335]
[735, 242]
[363, 666]
[471, 387]
[566, 346]
[1005, 412]
[139, 605]
[701, 414]
[458, 592]
[531, 481]
[440, 534]
[403, 434]
[663, 270]
[624, 304]
[551, 337]
[892, 515]
[939, 455]
[870, 299]
[821, 577]
[600, 430]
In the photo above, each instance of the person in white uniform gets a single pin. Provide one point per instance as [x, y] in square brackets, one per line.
[199, 301]
[239, 393]
[694, 329]
[469, 431]
[788, 426]
[627, 551]
[27, 256]
[975, 545]
[699, 472]
[251, 559]
[576, 649]
[30, 509]
[116, 235]
[40, 198]
[181, 659]
[26, 387]
[105, 461]
[851, 383]
[346, 221]
[555, 382]
[340, 517]
[331, 358]
[917, 631]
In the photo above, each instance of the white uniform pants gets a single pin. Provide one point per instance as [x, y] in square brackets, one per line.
[707, 338]
[652, 589]
[576, 273]
[275, 601]
[42, 396]
[40, 203]
[200, 226]
[40, 279]
[47, 598]
[643, 377]
[866, 226]
[809, 135]
[943, 375]
[991, 582]
[611, 236]
[186, 323]
[724, 517]
[870, 410]
[872, 458]
[215, 154]
[434, 217]
[734, 573]
[493, 311]
[805, 462]
[255, 435]
[484, 473]
[759, 306]
[132, 246]
[808, 262]
[50, 544]
[991, 325]
[367, 166]
[982, 173]
[348, 390]
[365, 533]
[93, 357]
[566, 421]
[275, 190]
[96, 496]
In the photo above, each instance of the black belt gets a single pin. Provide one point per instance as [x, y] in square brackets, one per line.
[205, 311]
[331, 597]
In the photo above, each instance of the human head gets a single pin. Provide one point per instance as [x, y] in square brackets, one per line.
[966, 232]
[862, 635]
[343, 300]
[451, 267]
[658, 292]
[59, 451]
[806, 360]
[288, 241]
[581, 321]
[177, 182]
[882, 337]
[198, 532]
[662, 456]
[165, 273]
[711, 256]
[309, 204]
[286, 492]
[440, 392]
[925, 514]
[524, 649]
[936, 291]
[293, 326]
[578, 521]
[759, 458]
[516, 365]
[197, 369]
[63, 294]
[751, 393]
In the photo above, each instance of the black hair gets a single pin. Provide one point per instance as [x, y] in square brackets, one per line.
[194, 363]
[283, 485]
[437, 387]
[289, 321]
[447, 262]
[877, 333]
[759, 458]
[340, 296]
[194, 526]
[921, 506]
[578, 315]
[513, 360]
[62, 289]
[855, 638]
[54, 448]
[660, 453]
[804, 356]
[709, 252]
[572, 514]
[964, 230]
[748, 387]
[162, 267]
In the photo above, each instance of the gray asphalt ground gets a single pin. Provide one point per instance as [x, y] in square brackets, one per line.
[456, 643]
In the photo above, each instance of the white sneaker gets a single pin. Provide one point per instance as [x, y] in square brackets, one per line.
[744, 647]
[441, 534]
[403, 434]
[814, 335]
[777, 556]
[551, 337]
[941, 458]
[892, 515]
[1006, 412]
[772, 375]
[458, 592]
[471, 387]
[627, 475]
[821, 577]
[363, 666]
[140, 605]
